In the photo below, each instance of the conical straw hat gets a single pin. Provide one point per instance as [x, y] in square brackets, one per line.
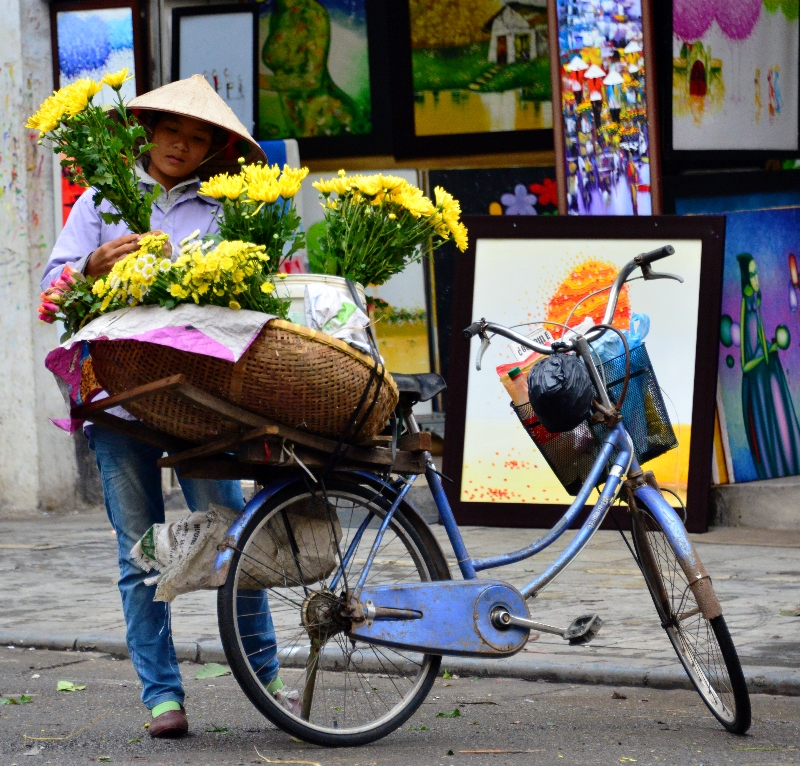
[194, 97]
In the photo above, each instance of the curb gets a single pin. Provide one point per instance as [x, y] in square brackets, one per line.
[777, 681]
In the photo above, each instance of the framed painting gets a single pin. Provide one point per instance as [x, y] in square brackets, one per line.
[724, 65]
[322, 76]
[219, 42]
[527, 271]
[471, 77]
[607, 143]
[93, 37]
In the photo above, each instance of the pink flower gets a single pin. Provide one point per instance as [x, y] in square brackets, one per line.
[66, 275]
[48, 306]
[49, 318]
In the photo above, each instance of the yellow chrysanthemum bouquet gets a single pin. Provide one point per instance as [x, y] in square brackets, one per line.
[376, 225]
[232, 274]
[101, 147]
[258, 207]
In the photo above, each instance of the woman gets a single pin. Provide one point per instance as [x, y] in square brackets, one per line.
[770, 421]
[194, 132]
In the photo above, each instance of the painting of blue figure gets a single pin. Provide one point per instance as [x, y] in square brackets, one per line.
[93, 42]
[759, 370]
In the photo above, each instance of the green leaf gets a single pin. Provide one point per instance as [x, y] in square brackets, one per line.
[217, 729]
[104, 759]
[211, 670]
[68, 686]
[455, 714]
[134, 741]
[8, 701]
[25, 699]
[446, 674]
[418, 728]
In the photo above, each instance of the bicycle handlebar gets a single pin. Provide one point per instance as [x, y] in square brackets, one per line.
[643, 261]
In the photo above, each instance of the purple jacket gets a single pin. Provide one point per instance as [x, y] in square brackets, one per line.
[178, 213]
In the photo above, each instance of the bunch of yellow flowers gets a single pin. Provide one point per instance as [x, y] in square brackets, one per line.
[101, 146]
[131, 278]
[378, 224]
[258, 207]
[232, 274]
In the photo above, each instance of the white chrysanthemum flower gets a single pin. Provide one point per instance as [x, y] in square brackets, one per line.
[149, 259]
[148, 272]
[165, 265]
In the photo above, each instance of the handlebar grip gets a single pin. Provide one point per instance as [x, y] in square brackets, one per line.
[655, 255]
[470, 332]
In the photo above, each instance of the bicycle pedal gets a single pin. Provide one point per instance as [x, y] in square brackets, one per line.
[583, 629]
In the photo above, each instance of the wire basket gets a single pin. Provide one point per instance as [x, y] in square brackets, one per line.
[572, 454]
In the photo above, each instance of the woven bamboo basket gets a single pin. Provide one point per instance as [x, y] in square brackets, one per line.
[291, 374]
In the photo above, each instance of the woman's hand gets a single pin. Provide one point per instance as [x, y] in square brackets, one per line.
[101, 260]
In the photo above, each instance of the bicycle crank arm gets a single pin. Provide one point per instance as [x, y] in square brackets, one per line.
[581, 631]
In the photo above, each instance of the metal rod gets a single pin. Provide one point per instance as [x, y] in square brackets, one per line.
[611, 443]
[448, 520]
[592, 523]
[378, 539]
[351, 550]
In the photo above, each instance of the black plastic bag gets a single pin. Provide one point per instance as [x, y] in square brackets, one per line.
[560, 392]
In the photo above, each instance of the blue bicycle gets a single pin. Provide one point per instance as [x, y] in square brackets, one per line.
[363, 605]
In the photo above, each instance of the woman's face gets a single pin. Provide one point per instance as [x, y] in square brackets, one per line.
[753, 271]
[181, 144]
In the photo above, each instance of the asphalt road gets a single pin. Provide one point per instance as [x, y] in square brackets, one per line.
[529, 722]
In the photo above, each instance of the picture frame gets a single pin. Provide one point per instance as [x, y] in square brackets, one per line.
[531, 246]
[98, 36]
[344, 110]
[221, 43]
[675, 158]
[607, 134]
[471, 103]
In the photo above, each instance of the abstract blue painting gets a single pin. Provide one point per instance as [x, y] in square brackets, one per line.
[93, 42]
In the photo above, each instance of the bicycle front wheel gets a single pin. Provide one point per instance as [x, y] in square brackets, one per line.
[704, 647]
[283, 611]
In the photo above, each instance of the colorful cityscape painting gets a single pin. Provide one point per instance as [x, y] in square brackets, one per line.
[604, 102]
[480, 66]
[734, 64]
[313, 75]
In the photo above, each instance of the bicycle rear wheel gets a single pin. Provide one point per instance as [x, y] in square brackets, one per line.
[703, 646]
[348, 692]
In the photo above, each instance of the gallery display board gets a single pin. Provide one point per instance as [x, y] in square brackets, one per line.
[520, 270]
[606, 132]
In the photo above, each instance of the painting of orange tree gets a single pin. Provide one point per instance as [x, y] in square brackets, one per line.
[480, 66]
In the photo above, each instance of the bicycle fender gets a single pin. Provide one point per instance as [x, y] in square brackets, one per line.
[699, 580]
[454, 617]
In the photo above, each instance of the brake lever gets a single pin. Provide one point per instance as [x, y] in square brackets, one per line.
[485, 343]
[648, 273]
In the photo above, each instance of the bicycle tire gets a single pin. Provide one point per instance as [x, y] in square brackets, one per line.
[382, 672]
[704, 647]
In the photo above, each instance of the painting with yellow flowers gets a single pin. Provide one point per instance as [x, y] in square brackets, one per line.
[534, 271]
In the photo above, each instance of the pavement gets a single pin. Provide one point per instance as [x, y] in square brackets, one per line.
[58, 591]
[500, 721]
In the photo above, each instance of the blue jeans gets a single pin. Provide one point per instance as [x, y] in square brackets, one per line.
[132, 490]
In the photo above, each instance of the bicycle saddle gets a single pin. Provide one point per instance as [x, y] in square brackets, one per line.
[419, 387]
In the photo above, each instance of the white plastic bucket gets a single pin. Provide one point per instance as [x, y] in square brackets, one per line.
[293, 288]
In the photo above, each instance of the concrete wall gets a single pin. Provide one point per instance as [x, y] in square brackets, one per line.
[37, 460]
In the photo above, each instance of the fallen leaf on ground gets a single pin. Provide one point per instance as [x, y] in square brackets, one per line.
[134, 741]
[418, 728]
[217, 730]
[68, 686]
[446, 674]
[104, 759]
[455, 714]
[791, 612]
[618, 696]
[625, 759]
[211, 670]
